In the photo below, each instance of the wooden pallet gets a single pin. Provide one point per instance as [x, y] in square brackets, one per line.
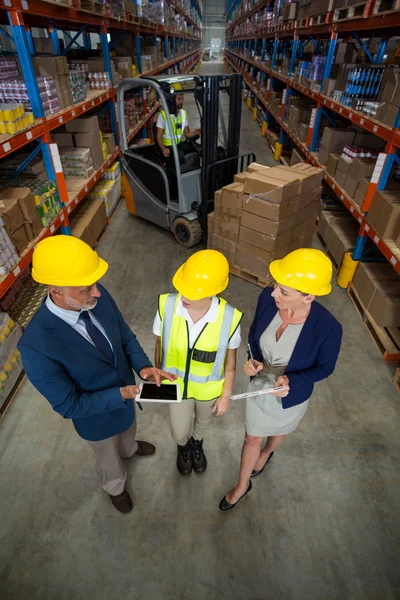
[318, 19]
[386, 339]
[325, 249]
[90, 6]
[385, 6]
[149, 24]
[250, 277]
[133, 19]
[299, 23]
[352, 12]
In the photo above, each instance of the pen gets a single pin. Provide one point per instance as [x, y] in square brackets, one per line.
[251, 355]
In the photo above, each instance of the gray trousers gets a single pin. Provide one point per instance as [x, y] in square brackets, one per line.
[109, 455]
[190, 417]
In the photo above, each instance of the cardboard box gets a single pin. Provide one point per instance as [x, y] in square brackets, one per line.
[307, 213]
[391, 93]
[335, 138]
[328, 87]
[361, 168]
[83, 125]
[259, 254]
[323, 155]
[387, 223]
[232, 199]
[19, 239]
[210, 227]
[88, 221]
[367, 274]
[11, 214]
[266, 226]
[251, 265]
[240, 177]
[350, 186]
[265, 242]
[384, 307]
[296, 157]
[256, 167]
[340, 178]
[50, 66]
[274, 211]
[277, 190]
[123, 65]
[387, 114]
[109, 140]
[359, 197]
[343, 165]
[310, 177]
[363, 185]
[332, 163]
[64, 140]
[229, 227]
[26, 202]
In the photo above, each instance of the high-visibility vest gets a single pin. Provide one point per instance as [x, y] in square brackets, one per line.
[201, 369]
[175, 127]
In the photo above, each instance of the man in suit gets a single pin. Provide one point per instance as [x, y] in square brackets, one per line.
[80, 355]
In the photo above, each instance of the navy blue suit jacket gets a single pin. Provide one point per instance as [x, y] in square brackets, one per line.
[315, 353]
[77, 379]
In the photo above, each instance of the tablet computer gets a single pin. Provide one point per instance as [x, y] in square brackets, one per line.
[167, 393]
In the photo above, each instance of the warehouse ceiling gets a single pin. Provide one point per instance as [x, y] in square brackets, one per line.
[214, 13]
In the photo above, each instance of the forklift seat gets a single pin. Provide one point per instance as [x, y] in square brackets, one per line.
[190, 162]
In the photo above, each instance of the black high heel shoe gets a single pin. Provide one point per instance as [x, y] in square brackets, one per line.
[255, 473]
[224, 504]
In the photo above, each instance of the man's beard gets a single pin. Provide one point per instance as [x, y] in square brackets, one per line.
[89, 304]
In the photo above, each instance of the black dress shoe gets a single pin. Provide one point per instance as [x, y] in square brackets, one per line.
[199, 459]
[184, 459]
[224, 504]
[255, 473]
[122, 502]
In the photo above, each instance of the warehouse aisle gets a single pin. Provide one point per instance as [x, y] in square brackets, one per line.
[319, 523]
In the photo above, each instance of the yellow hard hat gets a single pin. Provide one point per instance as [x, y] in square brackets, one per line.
[66, 260]
[306, 270]
[177, 87]
[204, 274]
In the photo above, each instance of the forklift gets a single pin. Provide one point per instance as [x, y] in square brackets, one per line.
[177, 196]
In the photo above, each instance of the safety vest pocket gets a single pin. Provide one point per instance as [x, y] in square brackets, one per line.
[203, 356]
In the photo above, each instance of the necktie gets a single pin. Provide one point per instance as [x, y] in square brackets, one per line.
[99, 339]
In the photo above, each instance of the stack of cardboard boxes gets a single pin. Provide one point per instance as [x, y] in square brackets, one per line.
[384, 215]
[88, 220]
[338, 231]
[20, 217]
[57, 67]
[378, 289]
[349, 175]
[83, 132]
[264, 214]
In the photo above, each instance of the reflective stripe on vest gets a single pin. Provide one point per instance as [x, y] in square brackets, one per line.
[209, 385]
[167, 139]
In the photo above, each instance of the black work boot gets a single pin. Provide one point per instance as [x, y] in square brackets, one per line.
[198, 456]
[184, 459]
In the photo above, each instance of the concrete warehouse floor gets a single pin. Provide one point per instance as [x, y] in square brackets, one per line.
[320, 523]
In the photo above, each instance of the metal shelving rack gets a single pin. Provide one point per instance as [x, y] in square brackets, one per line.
[294, 36]
[21, 16]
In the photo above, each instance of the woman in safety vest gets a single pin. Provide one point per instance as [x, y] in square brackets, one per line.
[198, 334]
[294, 343]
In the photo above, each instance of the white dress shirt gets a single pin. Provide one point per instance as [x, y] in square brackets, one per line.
[195, 328]
[72, 318]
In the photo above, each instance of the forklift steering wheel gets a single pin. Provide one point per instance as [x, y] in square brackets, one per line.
[195, 138]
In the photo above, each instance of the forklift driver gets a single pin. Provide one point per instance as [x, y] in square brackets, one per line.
[179, 126]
